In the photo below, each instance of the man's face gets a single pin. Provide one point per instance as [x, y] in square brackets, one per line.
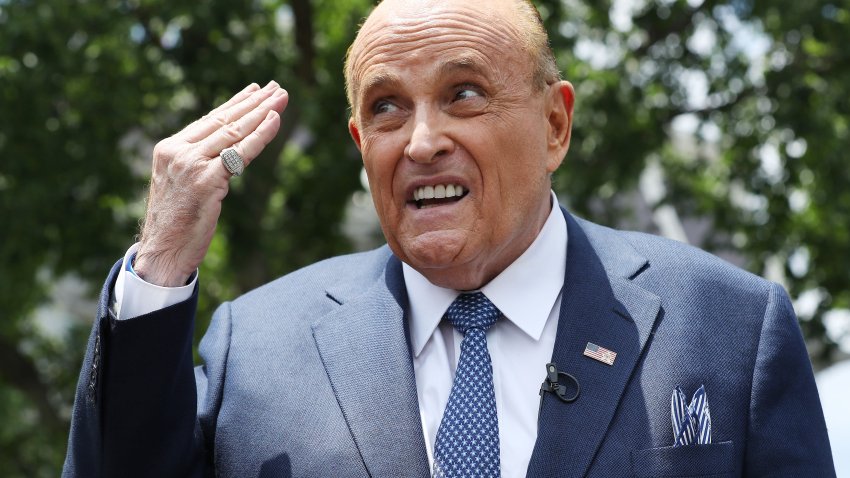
[457, 142]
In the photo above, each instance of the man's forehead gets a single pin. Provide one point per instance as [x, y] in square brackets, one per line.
[407, 19]
[402, 30]
[387, 10]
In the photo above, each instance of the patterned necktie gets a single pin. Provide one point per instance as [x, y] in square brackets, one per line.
[468, 438]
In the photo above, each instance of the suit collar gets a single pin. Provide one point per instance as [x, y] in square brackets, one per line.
[371, 373]
[600, 304]
[616, 256]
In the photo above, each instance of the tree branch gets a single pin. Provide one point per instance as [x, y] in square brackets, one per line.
[253, 201]
[302, 10]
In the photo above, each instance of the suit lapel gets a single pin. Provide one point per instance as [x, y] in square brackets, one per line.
[365, 352]
[599, 304]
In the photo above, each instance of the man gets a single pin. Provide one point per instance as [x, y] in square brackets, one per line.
[345, 368]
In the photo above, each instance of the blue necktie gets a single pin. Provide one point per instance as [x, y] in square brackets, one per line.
[468, 438]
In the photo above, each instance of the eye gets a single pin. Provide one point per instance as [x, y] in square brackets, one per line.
[465, 92]
[383, 106]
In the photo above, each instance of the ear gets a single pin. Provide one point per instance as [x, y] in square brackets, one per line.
[560, 101]
[355, 133]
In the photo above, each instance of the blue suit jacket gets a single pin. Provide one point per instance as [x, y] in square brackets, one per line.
[311, 375]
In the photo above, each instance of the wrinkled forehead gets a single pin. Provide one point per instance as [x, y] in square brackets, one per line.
[400, 31]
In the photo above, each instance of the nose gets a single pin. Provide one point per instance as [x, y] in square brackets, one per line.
[428, 141]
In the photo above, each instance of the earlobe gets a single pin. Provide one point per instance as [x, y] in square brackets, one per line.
[560, 121]
[355, 133]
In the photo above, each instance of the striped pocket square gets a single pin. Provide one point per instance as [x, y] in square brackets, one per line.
[691, 422]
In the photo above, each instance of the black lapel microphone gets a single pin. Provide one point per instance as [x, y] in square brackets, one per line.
[560, 384]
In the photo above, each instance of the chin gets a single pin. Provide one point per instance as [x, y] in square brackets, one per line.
[433, 250]
[444, 259]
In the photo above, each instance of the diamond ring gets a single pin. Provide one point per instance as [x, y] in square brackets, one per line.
[233, 163]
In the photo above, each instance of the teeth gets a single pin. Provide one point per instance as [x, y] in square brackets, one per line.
[439, 191]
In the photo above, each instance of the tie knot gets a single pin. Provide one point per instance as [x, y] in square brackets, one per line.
[471, 311]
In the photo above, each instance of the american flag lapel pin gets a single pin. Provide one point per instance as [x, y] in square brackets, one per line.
[599, 353]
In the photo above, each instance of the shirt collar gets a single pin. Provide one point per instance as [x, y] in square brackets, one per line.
[525, 291]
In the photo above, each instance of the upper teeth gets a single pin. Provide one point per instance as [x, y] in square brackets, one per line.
[437, 192]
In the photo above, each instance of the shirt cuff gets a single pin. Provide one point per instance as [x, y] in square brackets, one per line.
[133, 297]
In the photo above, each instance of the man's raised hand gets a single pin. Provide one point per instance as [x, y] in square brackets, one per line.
[189, 181]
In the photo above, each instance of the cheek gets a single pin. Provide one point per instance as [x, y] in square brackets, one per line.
[380, 163]
[519, 173]
[374, 159]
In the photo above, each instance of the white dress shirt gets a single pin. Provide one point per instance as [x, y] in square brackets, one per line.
[528, 293]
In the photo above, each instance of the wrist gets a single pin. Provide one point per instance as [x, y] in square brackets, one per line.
[158, 270]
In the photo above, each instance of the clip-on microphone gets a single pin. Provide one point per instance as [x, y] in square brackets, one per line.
[553, 385]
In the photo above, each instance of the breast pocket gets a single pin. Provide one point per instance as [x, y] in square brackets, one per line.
[716, 460]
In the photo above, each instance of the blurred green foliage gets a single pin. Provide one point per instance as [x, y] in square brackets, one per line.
[759, 91]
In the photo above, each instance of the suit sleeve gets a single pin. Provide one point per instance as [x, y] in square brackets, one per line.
[787, 433]
[135, 410]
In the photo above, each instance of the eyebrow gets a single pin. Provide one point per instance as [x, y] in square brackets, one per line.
[379, 80]
[461, 64]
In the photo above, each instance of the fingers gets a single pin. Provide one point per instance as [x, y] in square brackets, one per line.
[232, 110]
[247, 124]
[253, 144]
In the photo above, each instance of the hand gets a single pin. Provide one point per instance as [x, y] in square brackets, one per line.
[189, 181]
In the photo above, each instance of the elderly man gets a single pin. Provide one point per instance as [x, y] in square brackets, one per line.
[427, 356]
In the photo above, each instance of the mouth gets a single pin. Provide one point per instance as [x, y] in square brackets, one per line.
[438, 195]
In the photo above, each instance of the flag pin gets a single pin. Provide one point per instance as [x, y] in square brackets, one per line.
[600, 353]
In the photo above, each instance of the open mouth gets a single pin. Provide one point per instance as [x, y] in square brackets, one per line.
[438, 195]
